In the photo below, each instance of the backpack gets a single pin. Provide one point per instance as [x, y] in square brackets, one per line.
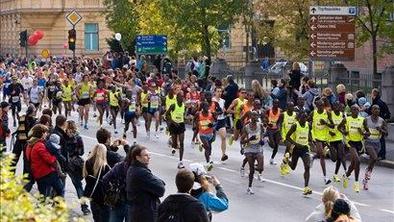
[173, 213]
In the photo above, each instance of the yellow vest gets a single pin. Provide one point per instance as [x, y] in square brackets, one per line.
[301, 135]
[113, 100]
[144, 97]
[84, 91]
[178, 114]
[132, 107]
[169, 101]
[319, 131]
[67, 93]
[238, 108]
[336, 120]
[288, 121]
[352, 126]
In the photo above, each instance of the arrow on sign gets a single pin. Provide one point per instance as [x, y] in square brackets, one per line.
[313, 27]
[313, 36]
[313, 18]
[313, 10]
[313, 45]
[312, 53]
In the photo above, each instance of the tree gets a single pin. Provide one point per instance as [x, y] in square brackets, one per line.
[201, 18]
[375, 22]
[122, 17]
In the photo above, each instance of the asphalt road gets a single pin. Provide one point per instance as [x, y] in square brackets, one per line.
[276, 199]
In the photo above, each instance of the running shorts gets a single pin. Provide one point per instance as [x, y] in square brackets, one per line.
[176, 128]
[221, 123]
[152, 111]
[83, 102]
[357, 145]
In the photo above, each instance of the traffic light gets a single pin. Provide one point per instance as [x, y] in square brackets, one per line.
[72, 37]
[23, 38]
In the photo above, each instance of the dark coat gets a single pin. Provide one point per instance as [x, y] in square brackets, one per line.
[384, 110]
[63, 149]
[113, 157]
[143, 193]
[231, 93]
[192, 210]
[98, 193]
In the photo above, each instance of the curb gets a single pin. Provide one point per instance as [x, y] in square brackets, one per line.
[382, 163]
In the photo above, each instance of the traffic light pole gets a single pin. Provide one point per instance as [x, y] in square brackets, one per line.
[75, 46]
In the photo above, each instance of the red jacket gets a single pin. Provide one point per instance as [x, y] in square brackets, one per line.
[42, 162]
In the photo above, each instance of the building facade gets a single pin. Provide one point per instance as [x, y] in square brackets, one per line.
[50, 17]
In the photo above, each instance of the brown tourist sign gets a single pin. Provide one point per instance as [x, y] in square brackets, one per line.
[332, 33]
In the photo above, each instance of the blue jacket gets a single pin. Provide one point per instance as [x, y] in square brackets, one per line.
[212, 202]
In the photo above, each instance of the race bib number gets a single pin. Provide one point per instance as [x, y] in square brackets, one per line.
[85, 95]
[154, 103]
[132, 107]
[15, 99]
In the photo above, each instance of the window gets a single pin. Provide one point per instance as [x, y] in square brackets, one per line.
[91, 37]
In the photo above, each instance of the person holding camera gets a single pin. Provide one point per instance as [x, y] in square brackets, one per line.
[104, 136]
[213, 202]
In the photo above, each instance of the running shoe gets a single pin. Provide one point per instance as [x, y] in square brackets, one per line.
[272, 162]
[124, 136]
[161, 129]
[200, 148]
[14, 124]
[326, 150]
[345, 181]
[283, 169]
[260, 177]
[368, 173]
[209, 166]
[356, 187]
[94, 115]
[307, 191]
[336, 178]
[242, 171]
[365, 184]
[180, 165]
[116, 132]
[249, 191]
[327, 181]
[157, 135]
[224, 157]
[230, 140]
[173, 151]
[86, 126]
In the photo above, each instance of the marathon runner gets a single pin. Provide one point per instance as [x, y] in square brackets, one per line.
[273, 131]
[16, 91]
[83, 92]
[220, 127]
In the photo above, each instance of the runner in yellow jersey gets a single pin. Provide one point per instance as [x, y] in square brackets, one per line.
[176, 119]
[236, 108]
[355, 128]
[67, 93]
[83, 92]
[299, 135]
[286, 120]
[114, 105]
[320, 124]
[335, 137]
[145, 105]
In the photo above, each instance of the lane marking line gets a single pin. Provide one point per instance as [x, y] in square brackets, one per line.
[267, 180]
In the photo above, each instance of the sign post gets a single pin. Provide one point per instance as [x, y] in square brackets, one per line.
[73, 18]
[151, 44]
[332, 33]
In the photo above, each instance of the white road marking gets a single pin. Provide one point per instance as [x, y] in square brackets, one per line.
[267, 180]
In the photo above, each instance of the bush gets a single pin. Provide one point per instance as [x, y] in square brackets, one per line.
[19, 205]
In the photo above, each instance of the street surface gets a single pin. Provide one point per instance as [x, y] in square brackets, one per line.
[276, 199]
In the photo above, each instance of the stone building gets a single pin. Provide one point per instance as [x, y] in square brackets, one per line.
[50, 17]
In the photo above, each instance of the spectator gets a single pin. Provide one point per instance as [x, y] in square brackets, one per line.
[42, 162]
[341, 212]
[304, 85]
[75, 147]
[261, 95]
[213, 202]
[310, 95]
[117, 177]
[230, 91]
[385, 114]
[275, 88]
[143, 188]
[282, 94]
[295, 81]
[4, 130]
[327, 92]
[94, 169]
[104, 136]
[182, 204]
[323, 210]
[341, 91]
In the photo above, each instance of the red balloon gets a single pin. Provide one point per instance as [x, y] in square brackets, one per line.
[32, 40]
[39, 34]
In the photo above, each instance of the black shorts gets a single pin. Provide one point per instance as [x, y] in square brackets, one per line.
[176, 129]
[83, 102]
[16, 106]
[144, 109]
[300, 151]
[129, 116]
[336, 144]
[115, 108]
[357, 145]
[221, 123]
[239, 125]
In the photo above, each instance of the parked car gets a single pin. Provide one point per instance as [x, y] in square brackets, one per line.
[283, 67]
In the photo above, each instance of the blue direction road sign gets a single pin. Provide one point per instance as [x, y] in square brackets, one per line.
[151, 44]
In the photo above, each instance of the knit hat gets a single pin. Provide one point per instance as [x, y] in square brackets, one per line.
[54, 139]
